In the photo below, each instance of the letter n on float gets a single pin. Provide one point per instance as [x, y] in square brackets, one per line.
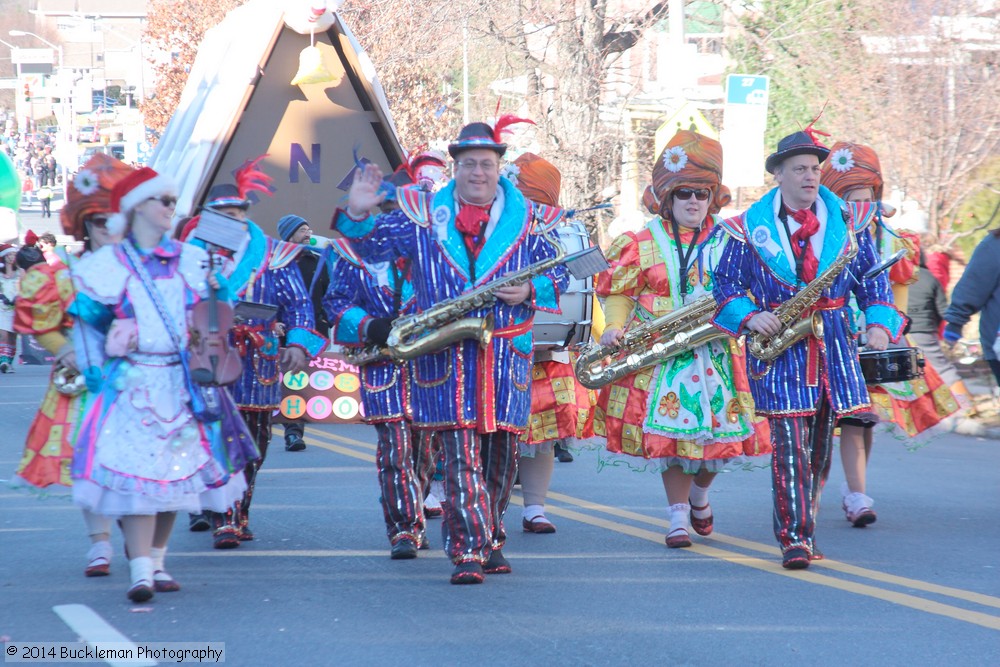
[239, 103]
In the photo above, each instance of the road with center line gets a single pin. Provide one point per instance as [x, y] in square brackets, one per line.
[919, 587]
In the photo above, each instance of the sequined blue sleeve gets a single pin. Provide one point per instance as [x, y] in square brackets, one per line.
[96, 314]
[378, 239]
[340, 302]
[730, 290]
[295, 310]
[546, 288]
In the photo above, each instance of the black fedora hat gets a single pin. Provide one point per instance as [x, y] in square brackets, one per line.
[476, 135]
[797, 143]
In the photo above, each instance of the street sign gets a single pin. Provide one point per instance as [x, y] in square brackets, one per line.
[744, 89]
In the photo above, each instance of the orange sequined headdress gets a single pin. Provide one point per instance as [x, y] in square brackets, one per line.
[536, 178]
[689, 159]
[89, 192]
[852, 167]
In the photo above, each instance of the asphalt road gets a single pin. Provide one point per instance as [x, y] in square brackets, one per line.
[919, 587]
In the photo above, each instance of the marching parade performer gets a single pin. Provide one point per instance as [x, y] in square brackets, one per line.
[362, 301]
[146, 449]
[46, 293]
[690, 415]
[561, 407]
[784, 276]
[263, 271]
[476, 232]
[853, 173]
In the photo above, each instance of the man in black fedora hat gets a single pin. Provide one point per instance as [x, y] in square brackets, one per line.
[798, 233]
[476, 228]
[281, 337]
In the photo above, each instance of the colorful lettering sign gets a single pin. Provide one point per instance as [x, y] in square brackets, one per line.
[327, 392]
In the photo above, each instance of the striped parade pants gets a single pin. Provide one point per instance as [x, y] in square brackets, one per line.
[405, 465]
[799, 468]
[479, 473]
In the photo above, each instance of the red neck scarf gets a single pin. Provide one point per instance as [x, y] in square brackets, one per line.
[471, 221]
[801, 245]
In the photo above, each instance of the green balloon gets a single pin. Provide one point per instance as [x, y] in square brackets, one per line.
[10, 184]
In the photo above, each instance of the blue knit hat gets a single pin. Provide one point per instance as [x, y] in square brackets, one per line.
[288, 225]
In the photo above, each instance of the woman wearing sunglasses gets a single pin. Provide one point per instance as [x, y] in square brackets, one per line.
[141, 453]
[690, 416]
[45, 295]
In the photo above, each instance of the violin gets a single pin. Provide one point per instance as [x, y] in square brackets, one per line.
[211, 359]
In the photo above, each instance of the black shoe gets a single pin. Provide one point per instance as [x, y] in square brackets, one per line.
[294, 443]
[424, 543]
[226, 537]
[468, 573]
[497, 564]
[198, 523]
[795, 559]
[562, 454]
[403, 550]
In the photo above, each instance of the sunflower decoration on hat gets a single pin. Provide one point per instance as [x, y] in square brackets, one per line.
[688, 160]
[852, 167]
[89, 192]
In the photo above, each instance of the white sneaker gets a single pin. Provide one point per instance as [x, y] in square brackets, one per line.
[858, 509]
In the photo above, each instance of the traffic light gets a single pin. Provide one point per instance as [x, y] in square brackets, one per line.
[27, 93]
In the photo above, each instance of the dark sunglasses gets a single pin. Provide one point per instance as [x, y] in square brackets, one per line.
[683, 194]
[96, 221]
[166, 200]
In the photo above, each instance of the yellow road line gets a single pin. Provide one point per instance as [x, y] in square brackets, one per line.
[770, 566]
[351, 441]
[958, 593]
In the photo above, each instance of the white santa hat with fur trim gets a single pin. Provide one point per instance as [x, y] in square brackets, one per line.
[137, 187]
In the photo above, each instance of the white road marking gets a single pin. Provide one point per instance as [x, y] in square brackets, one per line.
[87, 623]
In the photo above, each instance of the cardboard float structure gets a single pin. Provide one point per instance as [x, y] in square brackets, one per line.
[239, 103]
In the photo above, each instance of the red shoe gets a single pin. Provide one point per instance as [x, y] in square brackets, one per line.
[678, 538]
[539, 525]
[433, 512]
[702, 526]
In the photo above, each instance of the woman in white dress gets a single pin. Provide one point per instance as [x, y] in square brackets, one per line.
[141, 454]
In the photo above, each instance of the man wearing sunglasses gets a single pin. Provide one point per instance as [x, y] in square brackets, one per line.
[475, 229]
[777, 247]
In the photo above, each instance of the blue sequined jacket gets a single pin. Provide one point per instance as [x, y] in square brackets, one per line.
[359, 292]
[463, 386]
[265, 272]
[755, 273]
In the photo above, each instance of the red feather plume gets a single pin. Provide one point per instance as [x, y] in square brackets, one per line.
[249, 178]
[505, 121]
[812, 131]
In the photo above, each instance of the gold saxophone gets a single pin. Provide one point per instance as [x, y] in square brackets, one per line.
[649, 344]
[444, 323]
[480, 328]
[794, 326]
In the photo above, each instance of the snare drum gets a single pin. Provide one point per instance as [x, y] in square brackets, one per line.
[893, 365]
[572, 325]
